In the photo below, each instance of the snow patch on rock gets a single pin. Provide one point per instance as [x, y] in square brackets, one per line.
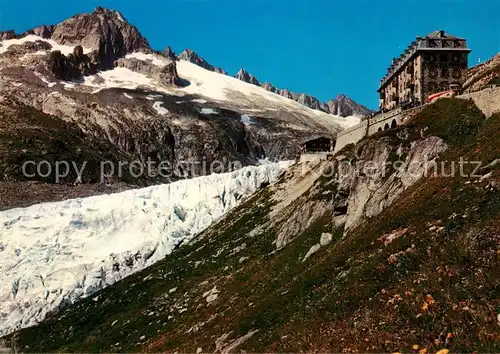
[159, 108]
[247, 120]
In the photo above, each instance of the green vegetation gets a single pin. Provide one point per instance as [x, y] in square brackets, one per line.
[456, 121]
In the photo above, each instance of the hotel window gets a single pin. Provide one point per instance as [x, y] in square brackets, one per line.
[443, 58]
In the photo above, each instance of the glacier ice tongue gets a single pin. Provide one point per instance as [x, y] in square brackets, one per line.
[55, 253]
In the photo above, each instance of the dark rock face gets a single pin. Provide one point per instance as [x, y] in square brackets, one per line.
[71, 67]
[104, 31]
[194, 58]
[168, 75]
[41, 31]
[169, 53]
[61, 67]
[243, 75]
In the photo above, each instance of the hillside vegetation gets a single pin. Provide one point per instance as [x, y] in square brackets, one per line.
[421, 275]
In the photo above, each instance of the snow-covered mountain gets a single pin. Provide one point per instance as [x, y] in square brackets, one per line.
[55, 253]
[147, 104]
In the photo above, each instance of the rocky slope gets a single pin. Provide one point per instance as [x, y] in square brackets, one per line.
[365, 252]
[96, 73]
[243, 75]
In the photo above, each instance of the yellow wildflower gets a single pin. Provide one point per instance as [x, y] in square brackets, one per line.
[443, 351]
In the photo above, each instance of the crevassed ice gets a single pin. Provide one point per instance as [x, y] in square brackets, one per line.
[56, 253]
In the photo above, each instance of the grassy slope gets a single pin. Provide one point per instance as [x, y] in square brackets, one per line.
[435, 286]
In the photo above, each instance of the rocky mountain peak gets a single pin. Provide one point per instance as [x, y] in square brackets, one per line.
[5, 35]
[105, 31]
[345, 106]
[169, 53]
[193, 57]
[269, 87]
[342, 105]
[243, 75]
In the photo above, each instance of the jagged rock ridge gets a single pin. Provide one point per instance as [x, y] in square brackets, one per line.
[111, 37]
[194, 58]
[243, 75]
[146, 105]
[341, 106]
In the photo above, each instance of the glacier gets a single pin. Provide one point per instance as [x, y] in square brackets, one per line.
[55, 253]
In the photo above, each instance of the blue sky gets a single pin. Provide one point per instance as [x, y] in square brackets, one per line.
[320, 47]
